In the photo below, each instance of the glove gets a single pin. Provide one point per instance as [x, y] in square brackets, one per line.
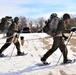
[73, 29]
[65, 37]
[21, 37]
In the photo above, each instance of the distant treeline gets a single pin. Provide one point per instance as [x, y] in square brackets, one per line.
[36, 24]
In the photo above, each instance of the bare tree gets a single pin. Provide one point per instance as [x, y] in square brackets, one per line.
[33, 24]
[36, 24]
[41, 22]
[22, 23]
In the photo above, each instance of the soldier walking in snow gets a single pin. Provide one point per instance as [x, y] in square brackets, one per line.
[11, 32]
[59, 41]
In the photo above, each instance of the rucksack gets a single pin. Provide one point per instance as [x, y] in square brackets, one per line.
[5, 23]
[51, 26]
[2, 24]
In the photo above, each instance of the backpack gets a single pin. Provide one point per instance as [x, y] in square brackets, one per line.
[5, 23]
[51, 26]
[2, 24]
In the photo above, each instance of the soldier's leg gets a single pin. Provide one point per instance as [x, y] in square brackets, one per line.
[8, 42]
[17, 44]
[50, 51]
[63, 49]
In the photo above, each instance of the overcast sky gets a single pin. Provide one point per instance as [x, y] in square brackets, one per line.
[36, 8]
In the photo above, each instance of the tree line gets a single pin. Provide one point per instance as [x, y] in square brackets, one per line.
[36, 24]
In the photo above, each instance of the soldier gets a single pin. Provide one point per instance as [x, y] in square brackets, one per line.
[11, 32]
[59, 41]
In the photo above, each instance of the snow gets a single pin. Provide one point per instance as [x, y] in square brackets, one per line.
[36, 45]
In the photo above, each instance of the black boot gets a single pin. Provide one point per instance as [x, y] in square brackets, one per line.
[20, 53]
[67, 61]
[1, 55]
[44, 61]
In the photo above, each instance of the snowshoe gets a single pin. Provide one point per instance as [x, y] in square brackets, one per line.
[67, 61]
[21, 54]
[44, 62]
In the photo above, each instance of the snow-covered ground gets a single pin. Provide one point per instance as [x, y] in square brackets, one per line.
[36, 44]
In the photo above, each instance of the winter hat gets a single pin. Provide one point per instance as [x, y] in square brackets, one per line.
[66, 16]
